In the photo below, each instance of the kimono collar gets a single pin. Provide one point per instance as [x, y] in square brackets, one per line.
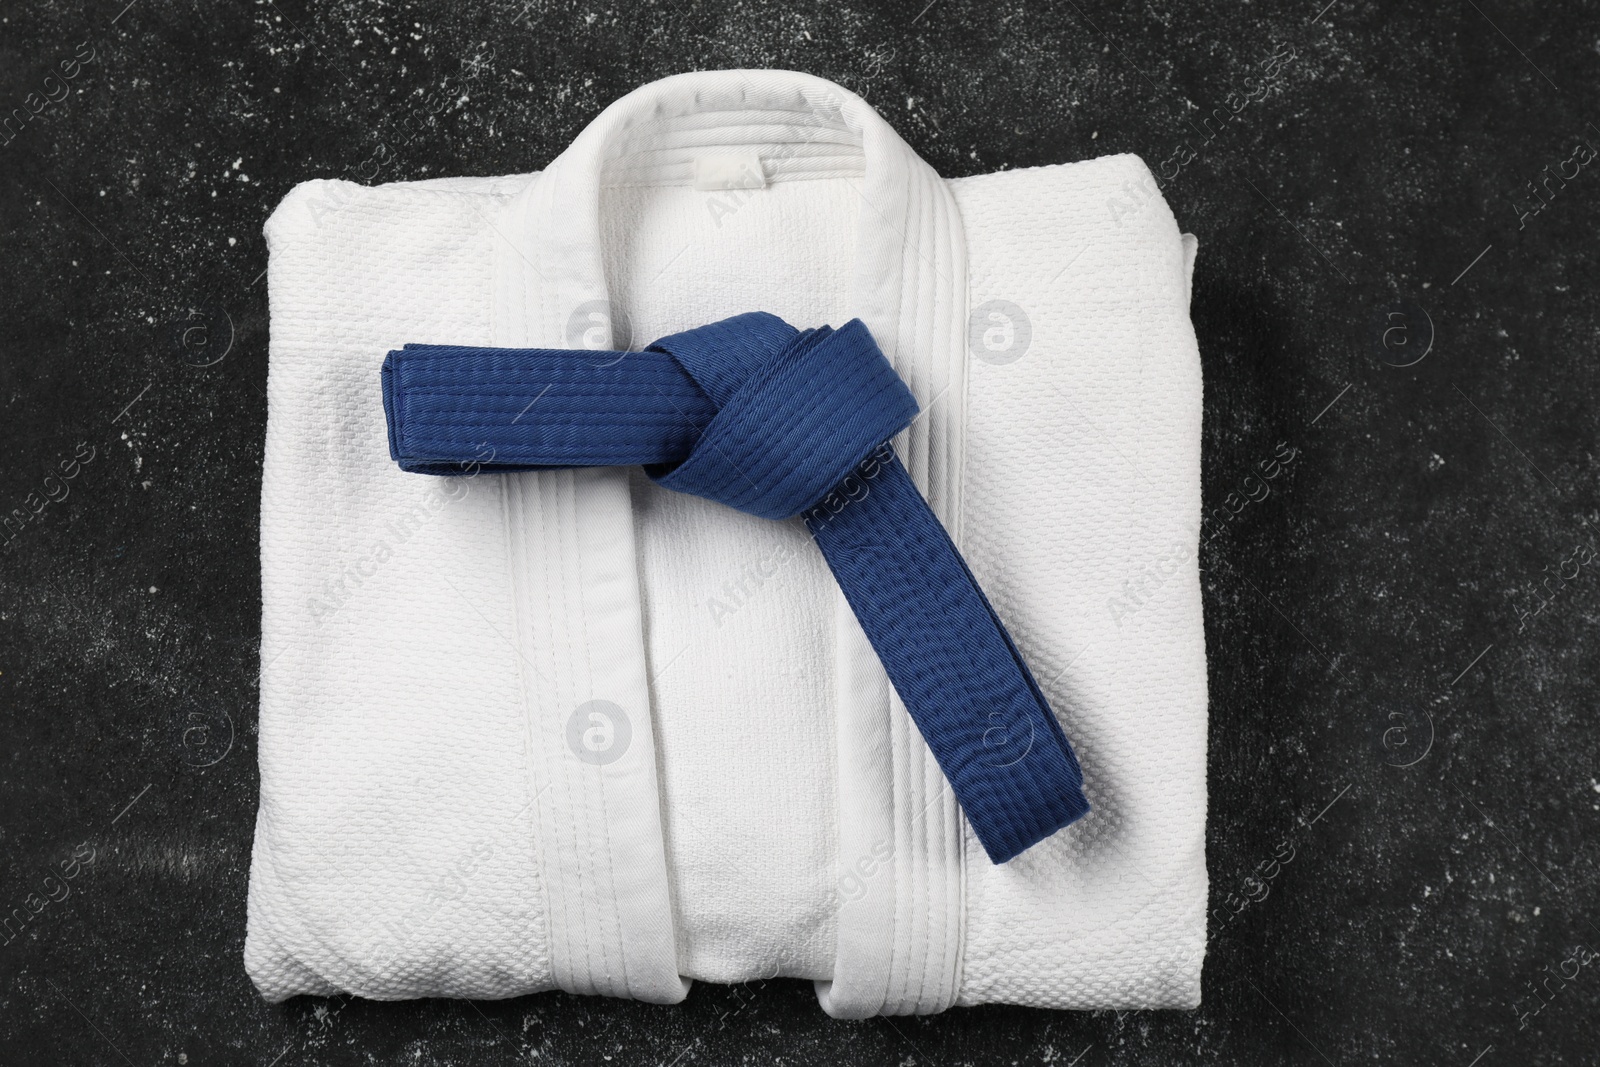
[910, 281]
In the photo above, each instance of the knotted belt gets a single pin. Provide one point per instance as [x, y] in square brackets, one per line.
[777, 422]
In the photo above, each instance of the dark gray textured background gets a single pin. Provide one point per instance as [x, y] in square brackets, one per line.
[1375, 608]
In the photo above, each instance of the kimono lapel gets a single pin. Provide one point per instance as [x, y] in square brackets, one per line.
[573, 561]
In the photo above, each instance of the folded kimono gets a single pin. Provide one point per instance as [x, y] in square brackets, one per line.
[533, 729]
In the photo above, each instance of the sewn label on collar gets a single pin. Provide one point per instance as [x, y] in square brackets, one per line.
[729, 170]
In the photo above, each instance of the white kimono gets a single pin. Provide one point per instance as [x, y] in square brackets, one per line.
[570, 730]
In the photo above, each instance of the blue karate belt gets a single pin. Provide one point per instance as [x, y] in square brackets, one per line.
[776, 422]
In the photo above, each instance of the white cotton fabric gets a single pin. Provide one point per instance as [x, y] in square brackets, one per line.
[430, 824]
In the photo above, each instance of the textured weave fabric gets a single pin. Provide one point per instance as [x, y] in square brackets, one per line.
[425, 827]
[792, 421]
